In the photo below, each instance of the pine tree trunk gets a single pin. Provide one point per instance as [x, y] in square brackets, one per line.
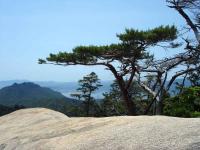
[160, 108]
[160, 105]
[129, 103]
[125, 94]
[88, 105]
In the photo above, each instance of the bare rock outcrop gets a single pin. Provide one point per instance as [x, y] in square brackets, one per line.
[44, 129]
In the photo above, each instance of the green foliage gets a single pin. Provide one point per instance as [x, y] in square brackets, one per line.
[113, 105]
[87, 86]
[132, 45]
[149, 37]
[186, 104]
[6, 110]
[195, 114]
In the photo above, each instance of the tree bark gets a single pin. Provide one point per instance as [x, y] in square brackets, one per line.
[130, 105]
[160, 107]
[126, 97]
[88, 105]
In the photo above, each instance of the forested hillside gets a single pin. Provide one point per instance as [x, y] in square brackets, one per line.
[32, 95]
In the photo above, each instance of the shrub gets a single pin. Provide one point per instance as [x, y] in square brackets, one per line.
[186, 104]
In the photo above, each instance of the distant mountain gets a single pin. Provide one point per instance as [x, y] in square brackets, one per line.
[66, 88]
[10, 82]
[32, 95]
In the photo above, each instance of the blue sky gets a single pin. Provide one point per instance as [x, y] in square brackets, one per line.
[31, 29]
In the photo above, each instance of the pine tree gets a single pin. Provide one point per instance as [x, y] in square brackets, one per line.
[87, 86]
[124, 59]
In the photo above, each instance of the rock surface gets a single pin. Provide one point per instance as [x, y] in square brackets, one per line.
[44, 129]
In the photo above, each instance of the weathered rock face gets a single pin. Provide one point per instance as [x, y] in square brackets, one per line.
[45, 129]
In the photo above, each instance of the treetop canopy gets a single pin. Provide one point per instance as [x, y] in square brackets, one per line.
[131, 47]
